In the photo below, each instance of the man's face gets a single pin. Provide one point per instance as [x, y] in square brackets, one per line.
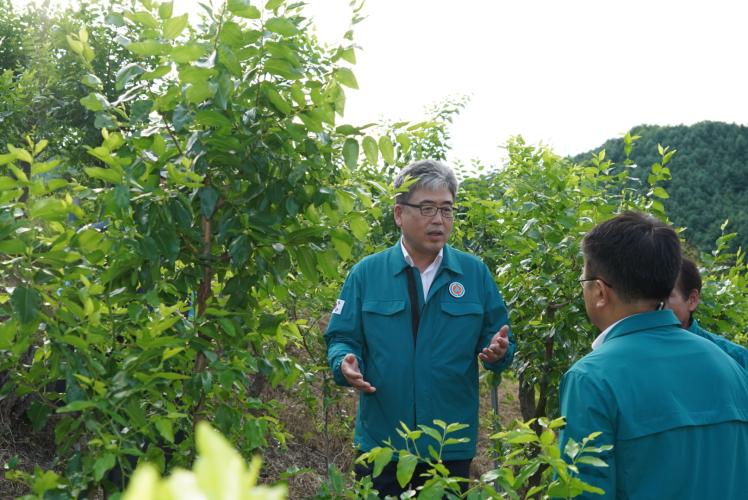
[424, 236]
[683, 306]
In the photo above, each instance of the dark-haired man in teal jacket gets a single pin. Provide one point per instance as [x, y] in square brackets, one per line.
[411, 324]
[673, 405]
[685, 298]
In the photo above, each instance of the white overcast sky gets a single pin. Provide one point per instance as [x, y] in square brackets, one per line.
[569, 74]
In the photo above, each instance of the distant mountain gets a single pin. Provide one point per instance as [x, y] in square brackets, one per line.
[710, 175]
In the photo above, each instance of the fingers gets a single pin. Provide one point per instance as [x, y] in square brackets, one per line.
[498, 346]
[353, 375]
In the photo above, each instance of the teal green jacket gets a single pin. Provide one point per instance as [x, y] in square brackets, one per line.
[736, 352]
[673, 405]
[433, 377]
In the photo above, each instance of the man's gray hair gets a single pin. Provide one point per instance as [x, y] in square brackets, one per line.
[430, 174]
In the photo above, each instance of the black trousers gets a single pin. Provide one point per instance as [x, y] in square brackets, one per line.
[386, 483]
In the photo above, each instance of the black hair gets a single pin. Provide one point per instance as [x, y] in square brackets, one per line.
[638, 255]
[689, 278]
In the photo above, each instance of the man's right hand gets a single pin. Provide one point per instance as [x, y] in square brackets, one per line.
[351, 372]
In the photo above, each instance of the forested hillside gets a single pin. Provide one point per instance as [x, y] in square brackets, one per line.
[710, 175]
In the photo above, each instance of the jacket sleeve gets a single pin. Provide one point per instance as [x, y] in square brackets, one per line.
[494, 317]
[344, 331]
[587, 409]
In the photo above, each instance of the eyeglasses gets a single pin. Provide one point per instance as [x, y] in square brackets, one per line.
[430, 210]
[582, 280]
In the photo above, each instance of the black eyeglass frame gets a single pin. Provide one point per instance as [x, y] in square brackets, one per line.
[436, 209]
[582, 280]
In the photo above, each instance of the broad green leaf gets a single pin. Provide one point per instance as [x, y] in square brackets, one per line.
[156, 73]
[281, 25]
[165, 10]
[73, 341]
[148, 48]
[273, 4]
[359, 227]
[349, 55]
[12, 247]
[383, 457]
[346, 77]
[406, 465]
[387, 149]
[7, 183]
[75, 45]
[77, 406]
[404, 142]
[143, 18]
[660, 192]
[165, 427]
[277, 100]
[43, 167]
[242, 8]
[26, 302]
[208, 199]
[192, 51]
[231, 34]
[350, 153]
[127, 73]
[48, 209]
[212, 118]
[370, 149]
[307, 263]
[95, 102]
[103, 464]
[283, 68]
[174, 26]
[199, 92]
[591, 461]
[105, 174]
[92, 81]
[20, 154]
[328, 263]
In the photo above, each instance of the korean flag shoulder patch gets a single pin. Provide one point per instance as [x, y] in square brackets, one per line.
[338, 306]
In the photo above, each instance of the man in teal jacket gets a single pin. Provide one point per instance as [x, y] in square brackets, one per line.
[673, 405]
[411, 323]
[685, 298]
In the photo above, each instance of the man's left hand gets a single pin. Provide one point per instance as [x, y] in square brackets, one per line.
[498, 346]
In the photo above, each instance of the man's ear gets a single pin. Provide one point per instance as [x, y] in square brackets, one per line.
[397, 212]
[694, 297]
[601, 294]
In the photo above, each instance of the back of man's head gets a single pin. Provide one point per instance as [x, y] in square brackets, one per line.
[689, 278]
[637, 254]
[429, 174]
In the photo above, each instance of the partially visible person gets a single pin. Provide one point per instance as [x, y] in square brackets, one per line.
[674, 406]
[685, 298]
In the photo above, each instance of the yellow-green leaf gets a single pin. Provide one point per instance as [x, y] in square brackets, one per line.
[174, 26]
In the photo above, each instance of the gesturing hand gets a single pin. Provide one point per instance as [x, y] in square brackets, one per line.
[498, 346]
[353, 375]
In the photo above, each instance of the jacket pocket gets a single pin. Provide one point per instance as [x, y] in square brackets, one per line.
[462, 308]
[383, 307]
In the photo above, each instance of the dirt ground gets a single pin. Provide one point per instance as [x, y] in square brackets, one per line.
[308, 449]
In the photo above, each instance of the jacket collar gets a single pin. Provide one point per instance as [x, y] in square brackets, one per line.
[643, 321]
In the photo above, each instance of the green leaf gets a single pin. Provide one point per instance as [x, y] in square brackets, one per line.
[148, 48]
[103, 464]
[165, 428]
[387, 149]
[38, 413]
[26, 302]
[349, 55]
[406, 465]
[212, 118]
[370, 149]
[143, 18]
[383, 457]
[591, 461]
[273, 4]
[208, 199]
[404, 142]
[359, 227]
[48, 209]
[174, 26]
[660, 192]
[346, 77]
[43, 167]
[12, 247]
[79, 405]
[156, 73]
[277, 100]
[21, 154]
[192, 51]
[281, 25]
[242, 8]
[350, 153]
[92, 81]
[328, 263]
[95, 102]
[105, 174]
[281, 67]
[127, 73]
[307, 263]
[165, 10]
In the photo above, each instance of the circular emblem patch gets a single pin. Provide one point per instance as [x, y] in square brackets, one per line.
[456, 289]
